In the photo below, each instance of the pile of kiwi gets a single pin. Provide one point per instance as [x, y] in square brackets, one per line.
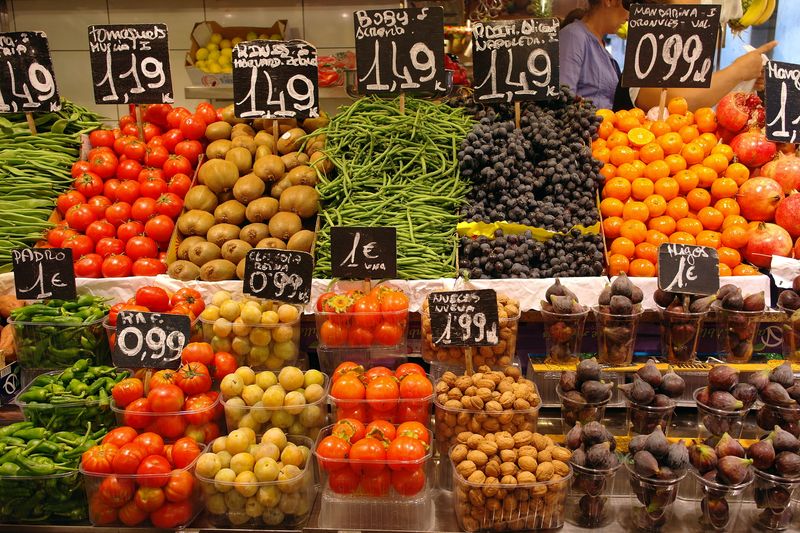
[253, 191]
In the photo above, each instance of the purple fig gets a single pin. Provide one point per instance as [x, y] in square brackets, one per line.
[745, 393]
[596, 391]
[762, 453]
[644, 464]
[637, 295]
[796, 284]
[717, 511]
[787, 464]
[754, 302]
[783, 375]
[783, 441]
[594, 433]
[591, 508]
[728, 446]
[546, 306]
[663, 298]
[650, 374]
[711, 475]
[767, 418]
[661, 400]
[568, 381]
[732, 470]
[622, 286]
[556, 289]
[703, 396]
[703, 458]
[733, 302]
[657, 443]
[578, 457]
[702, 305]
[605, 296]
[562, 305]
[794, 391]
[639, 391]
[775, 394]
[588, 370]
[621, 305]
[727, 289]
[672, 384]
[790, 300]
[725, 401]
[677, 456]
[599, 456]
[759, 379]
[636, 444]
[573, 437]
[723, 377]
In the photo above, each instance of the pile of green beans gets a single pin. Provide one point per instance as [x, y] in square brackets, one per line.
[400, 170]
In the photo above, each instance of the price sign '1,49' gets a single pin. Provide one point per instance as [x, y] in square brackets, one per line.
[150, 340]
[400, 50]
[130, 64]
[671, 46]
[27, 82]
[783, 101]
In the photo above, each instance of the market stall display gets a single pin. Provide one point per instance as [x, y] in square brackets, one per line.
[722, 406]
[651, 398]
[583, 394]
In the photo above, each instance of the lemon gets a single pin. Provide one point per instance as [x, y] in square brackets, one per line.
[251, 36]
[236, 40]
[225, 43]
[213, 56]
[201, 54]
[225, 61]
[264, 37]
[212, 47]
[216, 38]
[200, 64]
[275, 37]
[226, 52]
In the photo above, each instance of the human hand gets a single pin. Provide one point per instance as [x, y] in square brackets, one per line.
[750, 66]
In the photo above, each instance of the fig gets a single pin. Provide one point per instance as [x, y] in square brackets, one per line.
[636, 443]
[568, 381]
[762, 453]
[588, 370]
[594, 433]
[754, 302]
[562, 305]
[794, 391]
[622, 286]
[598, 456]
[790, 300]
[725, 401]
[596, 391]
[745, 393]
[644, 464]
[783, 441]
[716, 510]
[702, 305]
[546, 306]
[672, 384]
[650, 374]
[661, 400]
[574, 399]
[796, 284]
[787, 464]
[620, 305]
[703, 458]
[728, 446]
[657, 443]
[733, 302]
[578, 457]
[591, 508]
[605, 296]
[639, 391]
[663, 298]
[703, 396]
[711, 476]
[783, 375]
[665, 473]
[732, 470]
[759, 379]
[556, 289]
[677, 456]
[723, 378]
[637, 295]
[774, 394]
[726, 290]
[767, 418]
[573, 437]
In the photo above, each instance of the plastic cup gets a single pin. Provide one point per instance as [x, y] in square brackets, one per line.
[651, 500]
[713, 423]
[616, 336]
[719, 504]
[788, 418]
[576, 411]
[643, 419]
[736, 334]
[679, 334]
[791, 334]
[563, 334]
[775, 501]
[589, 504]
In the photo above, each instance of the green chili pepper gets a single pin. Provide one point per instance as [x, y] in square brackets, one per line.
[13, 428]
[31, 433]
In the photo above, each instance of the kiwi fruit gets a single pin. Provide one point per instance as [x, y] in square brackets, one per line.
[241, 157]
[262, 150]
[269, 168]
[203, 252]
[291, 141]
[248, 188]
[195, 222]
[219, 234]
[242, 129]
[235, 250]
[262, 209]
[218, 130]
[301, 241]
[302, 175]
[230, 212]
[294, 159]
[217, 270]
[240, 269]
[246, 142]
[271, 242]
[218, 148]
[283, 225]
[252, 233]
[200, 197]
[183, 270]
[186, 245]
[264, 138]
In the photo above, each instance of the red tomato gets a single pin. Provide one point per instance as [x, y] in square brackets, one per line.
[79, 244]
[171, 426]
[109, 246]
[349, 429]
[200, 352]
[172, 514]
[100, 512]
[104, 164]
[89, 266]
[79, 167]
[148, 499]
[135, 150]
[132, 417]
[156, 156]
[201, 410]
[376, 372]
[332, 452]
[98, 204]
[121, 142]
[190, 149]
[388, 334]
[153, 187]
[193, 378]
[118, 213]
[69, 199]
[129, 170]
[165, 399]
[224, 364]
[128, 191]
[162, 377]
[150, 173]
[405, 453]
[171, 138]
[193, 299]
[358, 336]
[207, 112]
[180, 485]
[100, 229]
[110, 188]
[157, 114]
[179, 184]
[408, 483]
[141, 246]
[367, 456]
[394, 305]
[151, 442]
[408, 368]
[367, 312]
[348, 387]
[88, 184]
[154, 298]
[169, 204]
[151, 132]
[153, 471]
[148, 266]
[377, 483]
[159, 228]
[128, 458]
[129, 230]
[414, 430]
[415, 386]
[131, 515]
[382, 430]
[193, 127]
[176, 116]
[99, 459]
[124, 120]
[79, 217]
[120, 436]
[211, 431]
[333, 334]
[57, 235]
[383, 393]
[184, 452]
[177, 164]
[344, 481]
[143, 209]
[101, 138]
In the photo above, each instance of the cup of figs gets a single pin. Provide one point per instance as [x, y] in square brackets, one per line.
[680, 331]
[576, 407]
[736, 334]
[616, 334]
[563, 334]
[718, 414]
[589, 503]
[719, 503]
[786, 416]
[775, 499]
[643, 419]
[791, 334]
[652, 498]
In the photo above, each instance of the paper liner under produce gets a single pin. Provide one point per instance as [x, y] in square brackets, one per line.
[529, 292]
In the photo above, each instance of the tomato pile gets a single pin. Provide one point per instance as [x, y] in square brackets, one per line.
[358, 319]
[136, 477]
[403, 395]
[120, 215]
[375, 458]
[220, 364]
[178, 403]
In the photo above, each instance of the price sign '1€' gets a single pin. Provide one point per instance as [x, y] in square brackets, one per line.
[43, 273]
[515, 60]
[671, 46]
[363, 252]
[283, 275]
[150, 340]
[783, 101]
[130, 64]
[27, 81]
[275, 79]
[464, 318]
[688, 269]
[400, 50]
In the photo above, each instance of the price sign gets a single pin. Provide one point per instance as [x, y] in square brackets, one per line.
[150, 340]
[400, 50]
[464, 318]
[671, 46]
[783, 101]
[358, 252]
[275, 79]
[282, 275]
[43, 273]
[688, 269]
[515, 60]
[27, 80]
[130, 64]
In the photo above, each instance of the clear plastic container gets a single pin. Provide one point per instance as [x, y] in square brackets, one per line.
[279, 504]
[791, 335]
[53, 499]
[719, 503]
[679, 335]
[35, 342]
[736, 334]
[776, 500]
[652, 500]
[616, 336]
[643, 419]
[394, 411]
[305, 420]
[589, 504]
[203, 425]
[788, 418]
[383, 329]
[563, 335]
[526, 506]
[712, 422]
[573, 411]
[331, 358]
[111, 332]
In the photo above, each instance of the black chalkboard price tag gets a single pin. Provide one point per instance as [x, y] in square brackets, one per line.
[283, 275]
[130, 64]
[363, 252]
[275, 79]
[688, 269]
[150, 340]
[27, 79]
[783, 101]
[515, 60]
[400, 50]
[671, 45]
[464, 318]
[43, 273]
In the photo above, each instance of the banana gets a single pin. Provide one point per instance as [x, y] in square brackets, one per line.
[765, 16]
[753, 13]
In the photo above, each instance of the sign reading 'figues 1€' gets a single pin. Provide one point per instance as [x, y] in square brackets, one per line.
[27, 81]
[130, 64]
[464, 318]
[783, 101]
[515, 60]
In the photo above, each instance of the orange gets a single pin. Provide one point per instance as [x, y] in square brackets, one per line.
[689, 225]
[717, 162]
[664, 225]
[622, 246]
[681, 237]
[738, 173]
[727, 206]
[675, 162]
[706, 119]
[656, 238]
[651, 152]
[677, 208]
[611, 207]
[693, 153]
[656, 170]
[729, 256]
[619, 115]
[607, 114]
[629, 171]
[622, 154]
[628, 123]
[734, 220]
[639, 136]
[709, 139]
[698, 199]
[708, 238]
[734, 237]
[617, 138]
[678, 105]
[618, 188]
[645, 250]
[635, 230]
[687, 180]
[602, 154]
[689, 133]
[641, 188]
[706, 143]
[659, 128]
[711, 218]
[724, 150]
[638, 113]
[639, 166]
[598, 143]
[636, 211]
[642, 268]
[725, 270]
[724, 188]
[606, 129]
[671, 143]
[667, 187]
[608, 171]
[676, 122]
[617, 263]
[611, 227]
[706, 175]
[745, 270]
[656, 205]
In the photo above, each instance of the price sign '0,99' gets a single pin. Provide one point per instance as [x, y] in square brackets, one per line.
[400, 50]
[150, 340]
[27, 82]
[130, 64]
[275, 79]
[671, 46]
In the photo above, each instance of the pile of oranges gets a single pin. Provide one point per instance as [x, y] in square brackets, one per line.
[670, 181]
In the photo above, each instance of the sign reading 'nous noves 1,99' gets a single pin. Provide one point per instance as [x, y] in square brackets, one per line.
[515, 60]
[275, 79]
[688, 269]
[150, 340]
[130, 64]
[783, 101]
[464, 318]
[400, 50]
[671, 46]
[27, 81]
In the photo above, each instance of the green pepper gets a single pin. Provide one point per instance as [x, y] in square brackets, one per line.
[78, 387]
[12, 441]
[12, 428]
[10, 455]
[31, 433]
[9, 469]
[38, 466]
[34, 394]
[66, 376]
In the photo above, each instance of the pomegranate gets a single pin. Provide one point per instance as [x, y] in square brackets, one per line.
[787, 215]
[737, 110]
[753, 149]
[785, 170]
[758, 198]
[766, 240]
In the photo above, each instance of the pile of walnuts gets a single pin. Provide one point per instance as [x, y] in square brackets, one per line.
[509, 481]
[488, 401]
[497, 356]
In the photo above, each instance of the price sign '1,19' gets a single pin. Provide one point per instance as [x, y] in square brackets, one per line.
[400, 50]
[27, 81]
[515, 60]
[464, 318]
[783, 101]
[283, 275]
[671, 46]
[130, 64]
[150, 340]
[688, 269]
[43, 273]
[275, 79]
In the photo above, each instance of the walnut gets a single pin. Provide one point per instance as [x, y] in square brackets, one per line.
[452, 404]
[477, 477]
[454, 394]
[506, 400]
[520, 404]
[508, 480]
[545, 471]
[540, 441]
[477, 457]
[493, 407]
[513, 371]
[463, 436]
[491, 424]
[458, 453]
[491, 486]
[510, 503]
[489, 447]
[476, 497]
[559, 453]
[492, 468]
[484, 394]
[441, 399]
[561, 468]
[466, 468]
[493, 504]
[544, 456]
[477, 403]
[508, 455]
[484, 383]
[508, 469]
[523, 438]
[448, 378]
[527, 463]
[523, 476]
[469, 524]
[474, 441]
[475, 426]
[462, 382]
[505, 441]
[471, 390]
[528, 451]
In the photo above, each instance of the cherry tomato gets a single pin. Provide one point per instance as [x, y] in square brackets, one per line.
[150, 173]
[367, 456]
[345, 367]
[129, 230]
[79, 244]
[190, 149]
[148, 499]
[148, 266]
[162, 377]
[349, 429]
[382, 430]
[170, 426]
[358, 336]
[179, 184]
[128, 458]
[332, 452]
[79, 217]
[109, 246]
[98, 204]
[377, 483]
[151, 132]
[383, 393]
[224, 364]
[415, 430]
[177, 164]
[118, 213]
[180, 485]
[184, 452]
[99, 458]
[156, 156]
[89, 266]
[69, 199]
[348, 387]
[193, 378]
[151, 442]
[143, 209]
[159, 228]
[165, 399]
[344, 481]
[88, 184]
[169, 204]
[176, 116]
[101, 138]
[100, 229]
[157, 114]
[141, 246]
[408, 483]
[120, 436]
[129, 170]
[394, 306]
[154, 298]
[128, 191]
[121, 142]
